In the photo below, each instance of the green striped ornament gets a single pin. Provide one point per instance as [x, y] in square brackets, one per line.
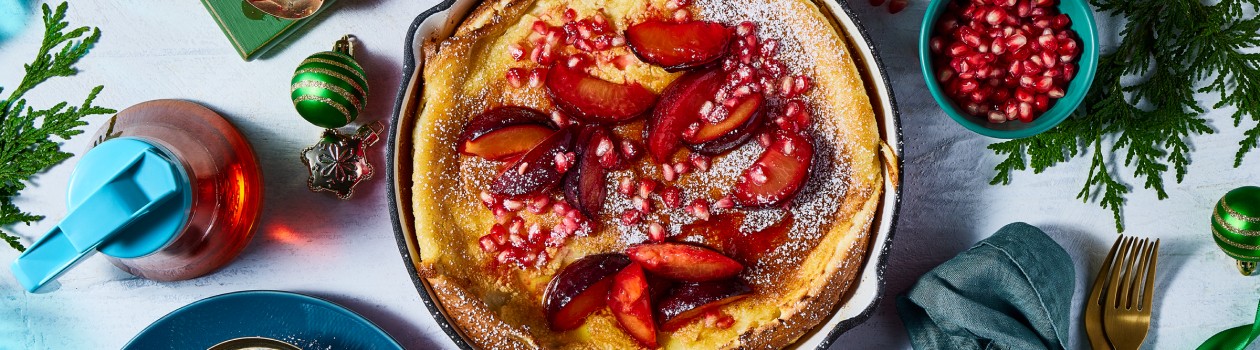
[1236, 226]
[329, 89]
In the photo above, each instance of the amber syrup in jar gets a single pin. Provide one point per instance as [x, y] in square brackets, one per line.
[225, 179]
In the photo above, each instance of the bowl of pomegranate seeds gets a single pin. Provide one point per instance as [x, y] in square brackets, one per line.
[1008, 68]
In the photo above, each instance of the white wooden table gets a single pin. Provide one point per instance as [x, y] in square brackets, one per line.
[346, 252]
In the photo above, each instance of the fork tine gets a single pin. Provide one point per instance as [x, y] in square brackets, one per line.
[1096, 294]
[1134, 274]
[1148, 293]
[1113, 286]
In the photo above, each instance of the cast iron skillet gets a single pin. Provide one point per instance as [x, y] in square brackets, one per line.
[439, 20]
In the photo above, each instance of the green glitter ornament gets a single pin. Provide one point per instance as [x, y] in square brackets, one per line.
[329, 88]
[1236, 227]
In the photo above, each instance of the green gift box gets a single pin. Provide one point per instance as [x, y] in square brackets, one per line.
[251, 31]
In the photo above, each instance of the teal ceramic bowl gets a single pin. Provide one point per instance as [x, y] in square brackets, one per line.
[1082, 22]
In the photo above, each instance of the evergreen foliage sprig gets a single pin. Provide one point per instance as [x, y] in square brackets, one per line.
[1169, 50]
[30, 138]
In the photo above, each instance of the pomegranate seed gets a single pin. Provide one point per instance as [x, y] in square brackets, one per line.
[958, 49]
[785, 86]
[1044, 84]
[631, 217]
[1041, 103]
[629, 149]
[618, 41]
[995, 16]
[763, 140]
[1041, 22]
[971, 39]
[1033, 66]
[668, 173]
[1055, 92]
[771, 48]
[535, 232]
[1025, 111]
[502, 216]
[1069, 71]
[570, 15]
[1048, 42]
[1053, 72]
[1023, 95]
[1061, 21]
[671, 196]
[1067, 46]
[1023, 7]
[516, 51]
[1016, 41]
[1000, 95]
[656, 232]
[701, 161]
[646, 187]
[561, 208]
[700, 209]
[968, 85]
[936, 44]
[539, 203]
[537, 76]
[571, 223]
[488, 199]
[682, 15]
[625, 186]
[516, 77]
[559, 118]
[564, 161]
[980, 95]
[1036, 61]
[996, 117]
[974, 109]
[745, 28]
[801, 84]
[605, 147]
[517, 226]
[641, 204]
[487, 244]
[1049, 58]
[724, 203]
[541, 27]
[998, 46]
[1011, 109]
[1015, 69]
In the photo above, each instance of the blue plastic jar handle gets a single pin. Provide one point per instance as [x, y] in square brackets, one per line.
[144, 183]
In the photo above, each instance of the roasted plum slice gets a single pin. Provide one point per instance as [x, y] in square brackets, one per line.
[679, 108]
[504, 132]
[687, 301]
[778, 174]
[717, 138]
[684, 262]
[596, 100]
[584, 184]
[678, 46]
[535, 171]
[631, 304]
[581, 289]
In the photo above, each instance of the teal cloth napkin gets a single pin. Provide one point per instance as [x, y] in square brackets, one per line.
[1010, 291]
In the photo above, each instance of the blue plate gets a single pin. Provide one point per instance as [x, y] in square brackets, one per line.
[307, 322]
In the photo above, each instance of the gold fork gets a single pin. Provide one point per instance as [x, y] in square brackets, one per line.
[1127, 312]
[1094, 303]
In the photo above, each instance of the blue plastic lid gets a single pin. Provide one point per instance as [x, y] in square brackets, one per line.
[127, 198]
